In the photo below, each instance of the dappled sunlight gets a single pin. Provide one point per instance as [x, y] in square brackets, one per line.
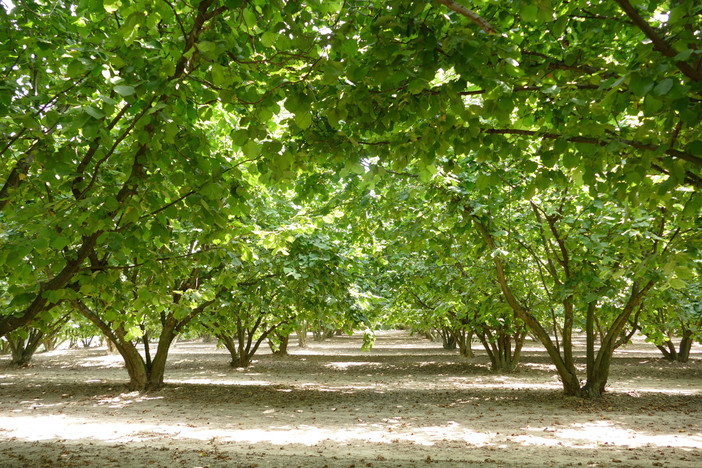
[126, 399]
[212, 381]
[107, 360]
[399, 407]
[47, 427]
[538, 366]
[655, 390]
[388, 431]
[501, 382]
[345, 365]
[122, 400]
[600, 433]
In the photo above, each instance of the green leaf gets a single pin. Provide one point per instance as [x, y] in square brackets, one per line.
[219, 75]
[95, 113]
[241, 136]
[663, 87]
[133, 333]
[250, 17]
[206, 47]
[111, 5]
[303, 119]
[124, 90]
[268, 38]
[695, 147]
[684, 55]
[528, 11]
[483, 182]
[251, 149]
[75, 68]
[111, 203]
[22, 300]
[559, 26]
[58, 242]
[640, 85]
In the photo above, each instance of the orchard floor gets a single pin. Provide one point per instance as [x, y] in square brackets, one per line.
[406, 403]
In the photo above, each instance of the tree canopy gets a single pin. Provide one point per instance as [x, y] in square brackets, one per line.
[486, 167]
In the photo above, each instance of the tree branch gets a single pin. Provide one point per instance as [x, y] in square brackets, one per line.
[594, 141]
[659, 42]
[470, 14]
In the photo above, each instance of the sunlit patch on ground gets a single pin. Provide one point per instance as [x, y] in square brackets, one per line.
[345, 365]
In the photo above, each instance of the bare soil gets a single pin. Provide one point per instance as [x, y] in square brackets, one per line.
[408, 402]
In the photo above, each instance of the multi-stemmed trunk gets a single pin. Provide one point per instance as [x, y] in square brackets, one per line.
[242, 344]
[597, 363]
[464, 339]
[301, 333]
[279, 346]
[22, 349]
[145, 372]
[682, 354]
[448, 341]
[498, 345]
[322, 333]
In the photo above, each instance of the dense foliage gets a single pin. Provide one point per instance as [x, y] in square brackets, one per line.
[248, 168]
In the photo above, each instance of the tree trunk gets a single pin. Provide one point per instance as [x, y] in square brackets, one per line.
[23, 349]
[466, 346]
[111, 349]
[5, 347]
[685, 346]
[677, 355]
[302, 336]
[464, 339]
[447, 338]
[50, 342]
[230, 344]
[244, 360]
[668, 350]
[599, 369]
[135, 364]
[599, 373]
[590, 339]
[570, 381]
[143, 375]
[283, 346]
[499, 348]
[158, 364]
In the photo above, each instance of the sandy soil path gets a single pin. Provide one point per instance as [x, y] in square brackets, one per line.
[407, 403]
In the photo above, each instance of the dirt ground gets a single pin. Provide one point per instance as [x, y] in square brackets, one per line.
[406, 403]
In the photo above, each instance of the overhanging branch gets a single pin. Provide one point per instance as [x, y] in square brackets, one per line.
[659, 43]
[595, 141]
[470, 14]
